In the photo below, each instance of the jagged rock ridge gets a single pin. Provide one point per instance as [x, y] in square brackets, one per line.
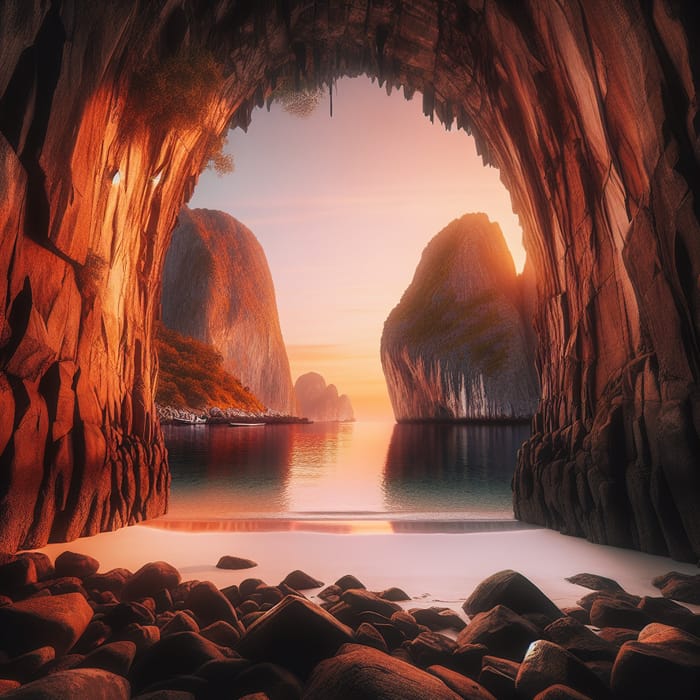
[595, 137]
[319, 402]
[455, 347]
[217, 288]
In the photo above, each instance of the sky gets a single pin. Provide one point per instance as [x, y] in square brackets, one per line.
[343, 208]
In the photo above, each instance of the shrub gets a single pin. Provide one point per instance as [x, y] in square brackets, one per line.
[192, 375]
[297, 101]
[175, 92]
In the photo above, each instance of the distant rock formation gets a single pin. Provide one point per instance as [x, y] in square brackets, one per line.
[217, 288]
[456, 346]
[319, 402]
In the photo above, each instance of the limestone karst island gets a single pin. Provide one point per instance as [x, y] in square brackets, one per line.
[349, 350]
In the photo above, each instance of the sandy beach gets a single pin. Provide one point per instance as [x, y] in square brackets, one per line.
[433, 568]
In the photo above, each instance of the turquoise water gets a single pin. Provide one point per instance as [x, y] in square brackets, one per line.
[343, 471]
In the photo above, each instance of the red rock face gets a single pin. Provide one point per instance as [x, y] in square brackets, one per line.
[217, 288]
[589, 110]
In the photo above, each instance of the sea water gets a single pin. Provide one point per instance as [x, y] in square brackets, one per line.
[426, 476]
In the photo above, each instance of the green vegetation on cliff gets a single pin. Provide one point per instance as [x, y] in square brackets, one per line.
[192, 375]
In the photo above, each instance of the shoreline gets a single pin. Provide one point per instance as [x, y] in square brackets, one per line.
[341, 523]
[431, 567]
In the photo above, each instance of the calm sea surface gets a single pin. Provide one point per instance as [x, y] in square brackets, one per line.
[341, 471]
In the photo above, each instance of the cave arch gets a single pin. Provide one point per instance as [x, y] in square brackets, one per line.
[596, 138]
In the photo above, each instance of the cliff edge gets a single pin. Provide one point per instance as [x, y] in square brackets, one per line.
[456, 346]
[217, 288]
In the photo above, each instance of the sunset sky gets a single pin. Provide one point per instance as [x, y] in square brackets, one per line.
[343, 208]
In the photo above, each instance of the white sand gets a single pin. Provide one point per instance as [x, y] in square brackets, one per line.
[431, 568]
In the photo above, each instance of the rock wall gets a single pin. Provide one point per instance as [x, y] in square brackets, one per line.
[456, 347]
[319, 402]
[590, 110]
[217, 288]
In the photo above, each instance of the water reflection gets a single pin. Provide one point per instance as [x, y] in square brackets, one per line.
[360, 476]
[452, 467]
[221, 470]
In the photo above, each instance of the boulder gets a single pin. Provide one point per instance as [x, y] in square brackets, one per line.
[300, 581]
[209, 605]
[406, 623]
[115, 657]
[249, 585]
[513, 590]
[16, 574]
[466, 688]
[235, 563]
[502, 631]
[498, 676]
[611, 612]
[178, 654]
[679, 586]
[578, 639]
[179, 622]
[431, 648]
[622, 597]
[546, 664]
[274, 682]
[75, 683]
[44, 568]
[617, 636]
[595, 582]
[669, 612]
[362, 673]
[28, 666]
[222, 633]
[561, 692]
[56, 621]
[467, 658]
[436, 618]
[149, 579]
[112, 580]
[96, 633]
[394, 594]
[361, 600]
[664, 663]
[123, 614]
[367, 634]
[295, 634]
[75, 564]
[349, 581]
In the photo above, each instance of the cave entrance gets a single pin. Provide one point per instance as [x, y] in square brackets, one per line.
[595, 139]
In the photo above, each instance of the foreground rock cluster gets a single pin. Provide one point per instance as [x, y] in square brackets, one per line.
[108, 115]
[68, 631]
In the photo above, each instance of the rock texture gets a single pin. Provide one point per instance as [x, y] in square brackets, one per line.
[107, 114]
[319, 402]
[456, 347]
[217, 288]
